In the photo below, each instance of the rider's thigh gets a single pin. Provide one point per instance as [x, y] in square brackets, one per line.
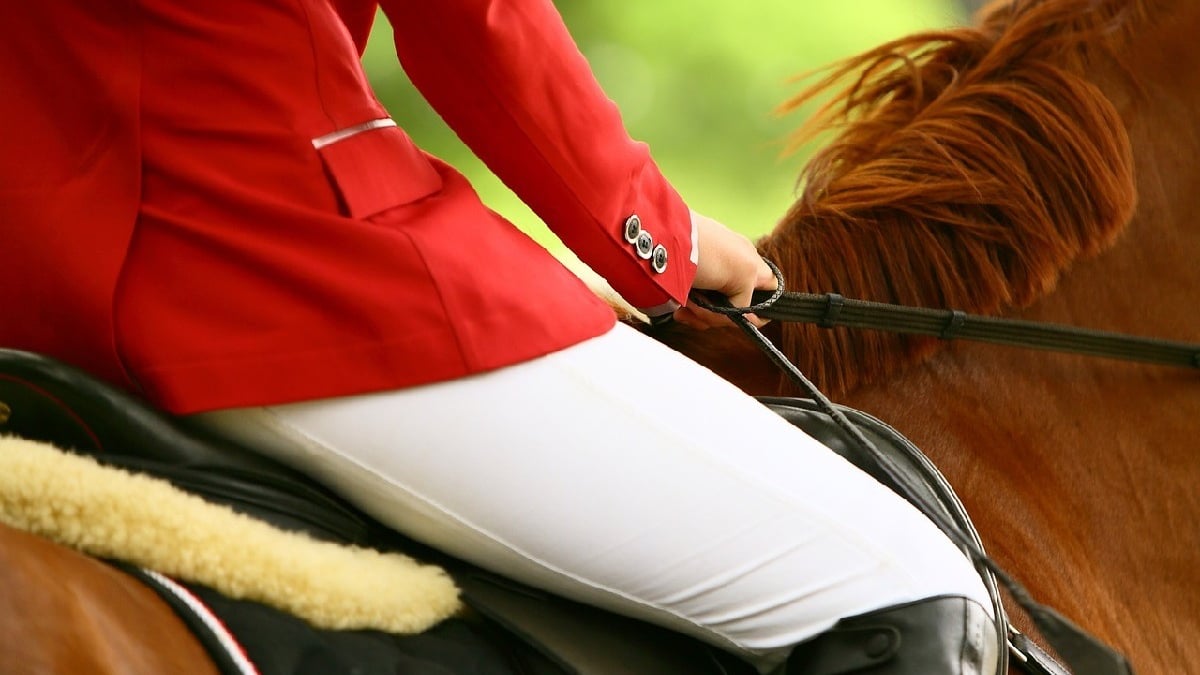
[619, 473]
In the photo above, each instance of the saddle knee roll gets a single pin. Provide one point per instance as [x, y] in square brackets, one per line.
[947, 635]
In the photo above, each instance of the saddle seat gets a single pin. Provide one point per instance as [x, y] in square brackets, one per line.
[45, 400]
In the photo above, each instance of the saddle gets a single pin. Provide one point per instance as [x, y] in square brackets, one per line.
[512, 629]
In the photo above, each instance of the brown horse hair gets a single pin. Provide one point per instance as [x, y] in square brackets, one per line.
[968, 169]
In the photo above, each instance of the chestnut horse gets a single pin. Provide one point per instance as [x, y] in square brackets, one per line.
[1044, 167]
[991, 170]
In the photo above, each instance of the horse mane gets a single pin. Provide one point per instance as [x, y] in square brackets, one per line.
[969, 168]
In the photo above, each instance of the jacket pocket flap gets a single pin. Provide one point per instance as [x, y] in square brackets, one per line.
[377, 169]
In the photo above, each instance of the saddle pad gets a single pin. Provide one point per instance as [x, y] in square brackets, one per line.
[247, 638]
[113, 514]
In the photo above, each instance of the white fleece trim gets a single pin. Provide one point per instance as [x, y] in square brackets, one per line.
[147, 522]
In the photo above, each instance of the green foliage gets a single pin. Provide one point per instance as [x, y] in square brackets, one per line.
[697, 80]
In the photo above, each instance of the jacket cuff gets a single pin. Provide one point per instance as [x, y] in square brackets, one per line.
[658, 242]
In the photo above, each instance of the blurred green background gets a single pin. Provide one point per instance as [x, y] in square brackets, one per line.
[698, 80]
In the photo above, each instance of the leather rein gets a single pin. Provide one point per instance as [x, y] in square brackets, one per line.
[829, 310]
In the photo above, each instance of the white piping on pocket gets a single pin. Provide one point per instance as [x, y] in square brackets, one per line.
[342, 134]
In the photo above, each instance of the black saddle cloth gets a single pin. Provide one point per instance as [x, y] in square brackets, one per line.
[515, 629]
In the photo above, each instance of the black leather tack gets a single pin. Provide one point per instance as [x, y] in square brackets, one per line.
[916, 638]
[954, 324]
[832, 310]
[878, 644]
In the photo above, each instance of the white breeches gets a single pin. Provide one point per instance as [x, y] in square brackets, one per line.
[621, 474]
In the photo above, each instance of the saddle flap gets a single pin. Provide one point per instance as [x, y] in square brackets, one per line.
[932, 488]
[583, 640]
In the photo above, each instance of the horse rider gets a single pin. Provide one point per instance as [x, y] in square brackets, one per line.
[205, 204]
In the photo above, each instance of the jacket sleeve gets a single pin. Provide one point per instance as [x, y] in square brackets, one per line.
[510, 81]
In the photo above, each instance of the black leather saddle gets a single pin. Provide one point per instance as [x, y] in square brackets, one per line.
[42, 399]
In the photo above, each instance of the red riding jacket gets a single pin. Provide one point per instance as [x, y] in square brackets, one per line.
[205, 202]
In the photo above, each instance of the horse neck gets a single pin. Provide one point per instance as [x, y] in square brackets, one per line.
[1149, 273]
[1072, 464]
[1068, 247]
[1099, 269]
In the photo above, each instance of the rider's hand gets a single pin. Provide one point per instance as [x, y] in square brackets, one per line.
[729, 265]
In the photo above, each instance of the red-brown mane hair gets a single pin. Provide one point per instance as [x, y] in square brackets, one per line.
[970, 167]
